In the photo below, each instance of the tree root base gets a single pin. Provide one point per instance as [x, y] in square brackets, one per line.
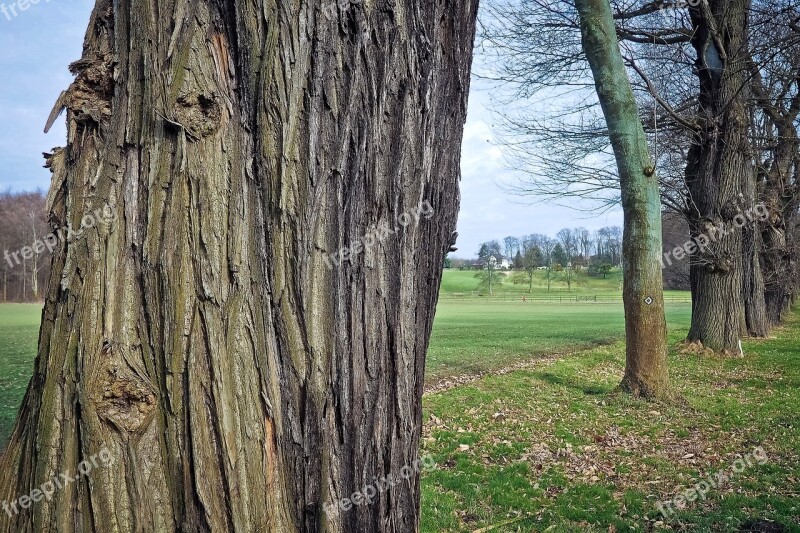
[698, 348]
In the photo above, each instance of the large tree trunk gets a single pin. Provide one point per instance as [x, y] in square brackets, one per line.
[646, 371]
[240, 378]
[719, 165]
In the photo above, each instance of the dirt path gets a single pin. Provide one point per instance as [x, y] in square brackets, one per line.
[451, 382]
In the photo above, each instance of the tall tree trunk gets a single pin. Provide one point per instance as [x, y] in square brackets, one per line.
[792, 222]
[35, 267]
[753, 287]
[719, 165]
[781, 200]
[646, 371]
[780, 196]
[240, 377]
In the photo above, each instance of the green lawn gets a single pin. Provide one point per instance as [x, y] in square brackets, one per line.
[553, 447]
[556, 448]
[466, 281]
[473, 336]
[466, 284]
[19, 330]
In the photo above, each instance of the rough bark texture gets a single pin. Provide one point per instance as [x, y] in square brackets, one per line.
[753, 287]
[646, 371]
[717, 175]
[782, 200]
[239, 382]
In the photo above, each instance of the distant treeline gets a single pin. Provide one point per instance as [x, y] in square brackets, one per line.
[24, 266]
[581, 247]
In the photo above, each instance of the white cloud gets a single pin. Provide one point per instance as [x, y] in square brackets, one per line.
[487, 211]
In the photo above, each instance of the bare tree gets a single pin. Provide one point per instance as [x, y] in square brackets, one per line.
[584, 241]
[646, 371]
[532, 260]
[555, 132]
[35, 262]
[24, 261]
[775, 82]
[568, 241]
[720, 177]
[511, 246]
[534, 51]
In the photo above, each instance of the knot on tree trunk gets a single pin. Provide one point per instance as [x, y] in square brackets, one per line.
[122, 398]
[721, 265]
[199, 114]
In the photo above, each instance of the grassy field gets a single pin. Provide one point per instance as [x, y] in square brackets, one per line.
[466, 281]
[474, 336]
[19, 330]
[466, 284]
[556, 448]
[550, 445]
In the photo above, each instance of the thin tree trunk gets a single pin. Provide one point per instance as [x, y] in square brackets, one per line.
[5, 280]
[646, 372]
[35, 277]
[35, 267]
[241, 379]
[719, 165]
[24, 280]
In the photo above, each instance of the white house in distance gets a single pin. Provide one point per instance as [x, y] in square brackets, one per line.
[503, 262]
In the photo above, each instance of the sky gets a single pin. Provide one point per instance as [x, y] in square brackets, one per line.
[38, 44]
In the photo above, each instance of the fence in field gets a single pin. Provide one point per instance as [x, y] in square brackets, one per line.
[555, 298]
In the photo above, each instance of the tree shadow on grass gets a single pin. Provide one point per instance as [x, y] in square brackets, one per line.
[589, 389]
